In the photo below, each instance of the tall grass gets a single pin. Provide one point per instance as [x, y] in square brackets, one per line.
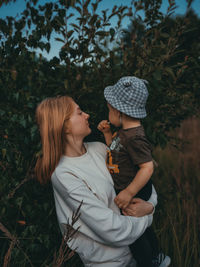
[177, 180]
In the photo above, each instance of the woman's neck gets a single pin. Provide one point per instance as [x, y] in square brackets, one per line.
[74, 148]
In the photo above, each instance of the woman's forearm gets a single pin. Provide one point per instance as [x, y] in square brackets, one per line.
[99, 222]
[139, 207]
[153, 198]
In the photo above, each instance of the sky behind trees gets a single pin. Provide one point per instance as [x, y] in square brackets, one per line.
[14, 9]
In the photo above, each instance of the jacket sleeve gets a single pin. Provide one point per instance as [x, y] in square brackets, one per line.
[97, 221]
[153, 199]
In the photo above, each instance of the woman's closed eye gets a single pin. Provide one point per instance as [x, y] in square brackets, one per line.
[79, 111]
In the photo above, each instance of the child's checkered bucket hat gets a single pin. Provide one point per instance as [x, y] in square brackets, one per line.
[128, 95]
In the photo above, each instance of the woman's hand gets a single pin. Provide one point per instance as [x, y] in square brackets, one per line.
[138, 208]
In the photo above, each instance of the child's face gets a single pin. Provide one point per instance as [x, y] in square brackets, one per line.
[114, 116]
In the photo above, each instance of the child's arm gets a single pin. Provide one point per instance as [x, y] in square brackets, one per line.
[104, 127]
[142, 177]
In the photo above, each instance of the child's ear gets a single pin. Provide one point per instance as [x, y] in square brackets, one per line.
[119, 113]
[116, 112]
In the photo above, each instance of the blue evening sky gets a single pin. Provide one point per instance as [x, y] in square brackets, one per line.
[14, 9]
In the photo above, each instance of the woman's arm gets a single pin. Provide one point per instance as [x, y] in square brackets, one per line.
[139, 207]
[97, 220]
[153, 198]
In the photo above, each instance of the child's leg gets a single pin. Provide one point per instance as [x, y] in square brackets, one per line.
[159, 258]
[142, 251]
[153, 241]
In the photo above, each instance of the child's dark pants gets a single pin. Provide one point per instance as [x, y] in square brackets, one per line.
[145, 248]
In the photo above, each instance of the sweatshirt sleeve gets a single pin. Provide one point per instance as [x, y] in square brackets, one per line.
[153, 198]
[153, 201]
[97, 221]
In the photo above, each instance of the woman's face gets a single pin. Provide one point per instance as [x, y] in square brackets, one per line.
[78, 125]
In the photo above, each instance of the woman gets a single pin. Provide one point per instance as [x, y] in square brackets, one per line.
[78, 173]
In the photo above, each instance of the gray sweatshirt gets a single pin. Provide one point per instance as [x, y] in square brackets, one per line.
[104, 234]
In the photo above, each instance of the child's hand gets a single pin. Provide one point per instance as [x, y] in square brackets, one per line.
[104, 126]
[123, 199]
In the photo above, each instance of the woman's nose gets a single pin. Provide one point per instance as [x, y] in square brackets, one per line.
[87, 116]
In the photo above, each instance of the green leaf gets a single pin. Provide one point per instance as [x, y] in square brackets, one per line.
[60, 40]
[165, 35]
[78, 9]
[112, 32]
[102, 33]
[93, 19]
[66, 84]
[170, 72]
[157, 75]
[69, 33]
[3, 151]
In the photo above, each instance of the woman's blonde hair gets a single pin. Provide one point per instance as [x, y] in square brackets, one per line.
[51, 115]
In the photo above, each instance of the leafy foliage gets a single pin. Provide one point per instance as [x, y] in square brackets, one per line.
[95, 53]
[6, 2]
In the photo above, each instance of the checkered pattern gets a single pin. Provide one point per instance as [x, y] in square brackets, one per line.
[128, 95]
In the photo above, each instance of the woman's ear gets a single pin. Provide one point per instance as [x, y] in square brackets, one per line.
[65, 134]
[67, 127]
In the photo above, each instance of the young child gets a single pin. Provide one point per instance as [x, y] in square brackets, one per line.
[129, 158]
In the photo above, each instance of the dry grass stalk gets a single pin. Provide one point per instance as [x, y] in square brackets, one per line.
[65, 253]
[12, 244]
[6, 232]
[29, 176]
[7, 257]
[11, 194]
[14, 241]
